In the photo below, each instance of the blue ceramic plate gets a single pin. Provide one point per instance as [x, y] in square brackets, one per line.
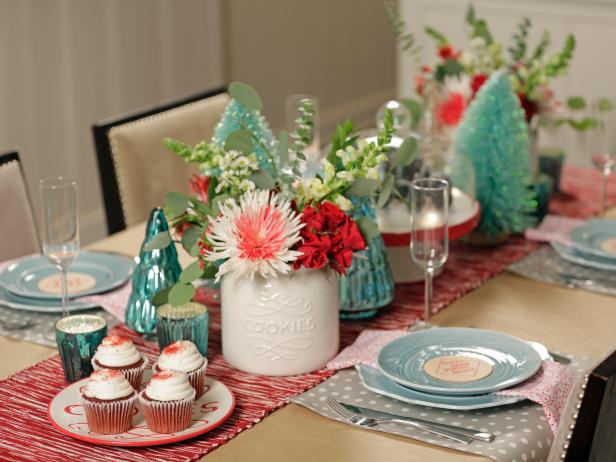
[372, 379]
[594, 236]
[578, 257]
[108, 270]
[39, 305]
[508, 359]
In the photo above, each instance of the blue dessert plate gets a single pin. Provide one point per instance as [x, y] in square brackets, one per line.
[104, 272]
[574, 255]
[17, 302]
[597, 237]
[372, 379]
[458, 361]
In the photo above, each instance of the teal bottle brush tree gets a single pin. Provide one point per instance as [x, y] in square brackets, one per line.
[158, 269]
[238, 117]
[493, 135]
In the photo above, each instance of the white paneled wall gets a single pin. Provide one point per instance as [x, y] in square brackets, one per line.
[69, 63]
[593, 70]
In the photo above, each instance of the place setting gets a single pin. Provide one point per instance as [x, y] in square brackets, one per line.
[369, 283]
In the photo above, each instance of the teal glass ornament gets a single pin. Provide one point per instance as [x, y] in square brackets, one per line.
[368, 284]
[235, 117]
[157, 269]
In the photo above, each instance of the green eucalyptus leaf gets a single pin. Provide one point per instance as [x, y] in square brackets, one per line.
[159, 241]
[368, 228]
[202, 208]
[181, 293]
[191, 237]
[406, 153]
[176, 203]
[416, 109]
[576, 103]
[161, 297]
[386, 189]
[245, 95]
[240, 140]
[210, 270]
[605, 105]
[283, 147]
[262, 180]
[363, 187]
[191, 273]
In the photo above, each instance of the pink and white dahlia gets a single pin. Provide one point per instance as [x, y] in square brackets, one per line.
[255, 236]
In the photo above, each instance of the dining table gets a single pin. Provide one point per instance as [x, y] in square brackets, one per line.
[564, 319]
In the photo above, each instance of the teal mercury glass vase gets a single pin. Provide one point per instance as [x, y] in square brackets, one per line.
[157, 269]
[368, 284]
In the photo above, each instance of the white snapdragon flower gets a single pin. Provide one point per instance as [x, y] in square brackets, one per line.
[317, 190]
[342, 202]
[329, 171]
[345, 176]
[372, 173]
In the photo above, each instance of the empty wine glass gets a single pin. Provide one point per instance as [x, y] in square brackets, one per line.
[60, 227]
[604, 159]
[429, 232]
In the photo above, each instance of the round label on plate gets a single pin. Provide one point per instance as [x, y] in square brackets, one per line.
[609, 246]
[76, 282]
[457, 368]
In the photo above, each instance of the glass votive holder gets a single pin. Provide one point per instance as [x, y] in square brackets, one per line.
[185, 322]
[77, 337]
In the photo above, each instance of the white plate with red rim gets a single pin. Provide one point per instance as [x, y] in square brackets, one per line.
[66, 414]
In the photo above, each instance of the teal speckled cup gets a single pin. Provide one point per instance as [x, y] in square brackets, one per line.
[78, 337]
[185, 322]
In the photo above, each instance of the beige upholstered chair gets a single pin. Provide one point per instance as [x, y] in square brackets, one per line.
[136, 170]
[19, 235]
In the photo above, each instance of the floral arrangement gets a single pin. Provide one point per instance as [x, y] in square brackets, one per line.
[463, 72]
[254, 212]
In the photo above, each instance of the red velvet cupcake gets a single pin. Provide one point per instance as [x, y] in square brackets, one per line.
[119, 354]
[167, 402]
[108, 400]
[184, 356]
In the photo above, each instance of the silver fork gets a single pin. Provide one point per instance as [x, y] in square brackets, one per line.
[362, 421]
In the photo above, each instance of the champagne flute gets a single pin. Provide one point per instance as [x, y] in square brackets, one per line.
[60, 227]
[603, 155]
[429, 232]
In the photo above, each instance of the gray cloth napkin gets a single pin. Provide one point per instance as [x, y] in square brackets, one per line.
[544, 265]
[42, 330]
[522, 432]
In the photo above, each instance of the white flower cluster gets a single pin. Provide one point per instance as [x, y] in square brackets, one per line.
[356, 163]
[235, 171]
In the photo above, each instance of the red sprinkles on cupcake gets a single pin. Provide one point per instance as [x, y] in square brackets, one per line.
[115, 340]
[164, 375]
[105, 374]
[175, 348]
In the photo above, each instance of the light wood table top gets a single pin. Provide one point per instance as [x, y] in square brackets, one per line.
[566, 319]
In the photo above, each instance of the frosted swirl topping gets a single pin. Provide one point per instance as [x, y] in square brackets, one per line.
[169, 386]
[107, 384]
[116, 351]
[180, 356]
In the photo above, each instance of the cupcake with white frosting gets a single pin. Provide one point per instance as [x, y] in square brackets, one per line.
[167, 402]
[119, 353]
[183, 356]
[108, 400]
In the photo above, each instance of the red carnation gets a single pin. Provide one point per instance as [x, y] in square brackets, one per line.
[330, 236]
[477, 81]
[199, 185]
[530, 107]
[419, 84]
[450, 111]
[446, 52]
[426, 69]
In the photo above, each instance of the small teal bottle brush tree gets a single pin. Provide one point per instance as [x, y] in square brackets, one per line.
[493, 135]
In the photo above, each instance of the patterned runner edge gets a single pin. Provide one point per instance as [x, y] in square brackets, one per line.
[26, 394]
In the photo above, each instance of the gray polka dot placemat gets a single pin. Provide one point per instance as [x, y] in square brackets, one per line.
[38, 327]
[521, 430]
[544, 265]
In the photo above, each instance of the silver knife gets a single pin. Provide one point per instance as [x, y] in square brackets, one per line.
[481, 436]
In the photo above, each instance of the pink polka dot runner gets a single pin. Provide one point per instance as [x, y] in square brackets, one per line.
[25, 432]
